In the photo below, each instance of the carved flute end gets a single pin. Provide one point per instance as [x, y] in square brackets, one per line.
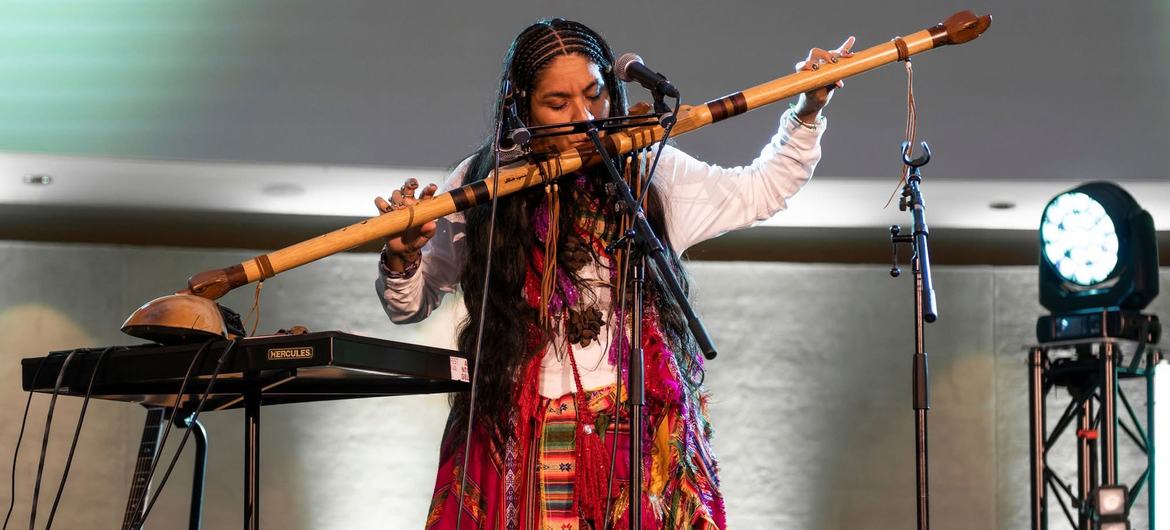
[965, 26]
[215, 283]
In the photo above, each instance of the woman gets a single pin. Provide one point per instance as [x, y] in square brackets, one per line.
[546, 416]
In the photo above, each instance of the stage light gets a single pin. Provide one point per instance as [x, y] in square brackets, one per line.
[1080, 239]
[1098, 265]
[1098, 250]
[1112, 503]
[1112, 500]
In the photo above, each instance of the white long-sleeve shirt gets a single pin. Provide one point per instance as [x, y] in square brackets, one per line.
[701, 200]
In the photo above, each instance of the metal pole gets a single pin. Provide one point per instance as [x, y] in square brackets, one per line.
[1037, 423]
[637, 396]
[251, 456]
[197, 477]
[1108, 414]
[1151, 442]
[921, 397]
[1086, 468]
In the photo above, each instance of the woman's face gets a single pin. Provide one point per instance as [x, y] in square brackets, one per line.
[570, 88]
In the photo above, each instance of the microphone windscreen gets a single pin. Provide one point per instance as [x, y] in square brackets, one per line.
[623, 63]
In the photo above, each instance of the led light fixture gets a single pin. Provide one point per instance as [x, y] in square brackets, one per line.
[1080, 240]
[1098, 266]
[1112, 503]
[1098, 250]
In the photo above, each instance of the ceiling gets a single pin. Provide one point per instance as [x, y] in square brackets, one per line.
[252, 205]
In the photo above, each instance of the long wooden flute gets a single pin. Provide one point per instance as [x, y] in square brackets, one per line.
[959, 28]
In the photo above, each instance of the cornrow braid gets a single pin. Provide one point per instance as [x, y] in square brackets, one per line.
[546, 40]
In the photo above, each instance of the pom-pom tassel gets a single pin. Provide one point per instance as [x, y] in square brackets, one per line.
[591, 479]
[592, 463]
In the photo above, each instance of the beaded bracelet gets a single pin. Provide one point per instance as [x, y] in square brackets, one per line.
[796, 120]
[406, 272]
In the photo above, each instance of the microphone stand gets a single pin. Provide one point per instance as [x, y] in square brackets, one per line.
[641, 236]
[644, 243]
[925, 311]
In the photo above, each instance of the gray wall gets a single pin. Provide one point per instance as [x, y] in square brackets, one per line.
[811, 395]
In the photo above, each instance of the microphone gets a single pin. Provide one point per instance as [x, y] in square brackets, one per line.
[514, 136]
[512, 142]
[630, 68]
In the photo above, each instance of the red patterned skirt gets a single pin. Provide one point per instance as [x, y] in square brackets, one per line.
[540, 493]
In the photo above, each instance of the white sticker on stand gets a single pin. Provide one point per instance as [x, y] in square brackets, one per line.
[459, 369]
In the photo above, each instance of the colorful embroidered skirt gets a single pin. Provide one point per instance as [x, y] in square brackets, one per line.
[549, 501]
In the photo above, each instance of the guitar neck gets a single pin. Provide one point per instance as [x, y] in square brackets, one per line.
[139, 487]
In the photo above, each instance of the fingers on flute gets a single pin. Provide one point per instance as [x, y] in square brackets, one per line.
[846, 48]
[428, 231]
[429, 192]
[404, 196]
[818, 56]
[812, 62]
[416, 238]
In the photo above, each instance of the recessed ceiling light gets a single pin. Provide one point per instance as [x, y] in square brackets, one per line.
[38, 180]
[283, 189]
[1002, 205]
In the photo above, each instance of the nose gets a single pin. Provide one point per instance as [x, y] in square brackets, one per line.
[581, 111]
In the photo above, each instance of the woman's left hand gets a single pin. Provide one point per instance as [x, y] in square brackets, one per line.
[808, 108]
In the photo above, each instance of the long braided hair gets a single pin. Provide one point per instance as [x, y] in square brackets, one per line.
[505, 346]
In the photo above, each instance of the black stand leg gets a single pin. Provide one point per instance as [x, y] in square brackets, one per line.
[197, 478]
[921, 393]
[252, 459]
[1038, 420]
[637, 396]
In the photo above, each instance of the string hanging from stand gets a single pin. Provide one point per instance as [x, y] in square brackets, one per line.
[633, 172]
[255, 311]
[549, 277]
[911, 128]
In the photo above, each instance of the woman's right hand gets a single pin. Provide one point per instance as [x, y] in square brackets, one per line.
[403, 250]
[808, 107]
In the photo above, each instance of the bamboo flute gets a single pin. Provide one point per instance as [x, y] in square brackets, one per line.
[212, 284]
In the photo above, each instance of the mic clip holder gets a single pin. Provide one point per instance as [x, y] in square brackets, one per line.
[512, 143]
[666, 118]
[911, 200]
[626, 237]
[615, 123]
